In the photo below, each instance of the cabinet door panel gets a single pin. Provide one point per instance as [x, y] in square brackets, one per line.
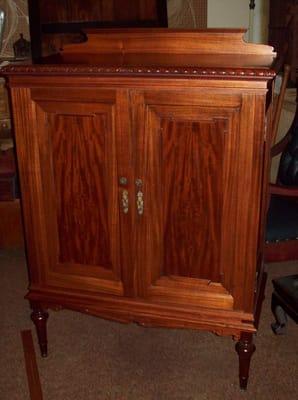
[187, 157]
[79, 167]
[77, 147]
[191, 163]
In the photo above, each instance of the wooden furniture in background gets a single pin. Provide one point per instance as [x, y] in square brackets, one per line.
[56, 22]
[4, 109]
[278, 104]
[282, 224]
[283, 32]
[144, 180]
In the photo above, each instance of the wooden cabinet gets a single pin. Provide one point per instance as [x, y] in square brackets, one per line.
[143, 183]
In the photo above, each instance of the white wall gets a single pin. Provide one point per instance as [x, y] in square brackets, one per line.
[261, 21]
[16, 22]
[236, 14]
[228, 14]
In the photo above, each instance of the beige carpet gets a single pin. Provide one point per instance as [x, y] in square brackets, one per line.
[90, 358]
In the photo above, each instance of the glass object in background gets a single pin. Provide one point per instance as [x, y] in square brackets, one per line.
[2, 20]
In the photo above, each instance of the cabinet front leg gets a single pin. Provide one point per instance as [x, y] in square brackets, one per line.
[39, 317]
[245, 349]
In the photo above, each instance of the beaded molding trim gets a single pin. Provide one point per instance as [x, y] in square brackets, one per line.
[228, 73]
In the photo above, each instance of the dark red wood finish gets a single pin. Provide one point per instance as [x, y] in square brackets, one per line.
[39, 318]
[245, 349]
[57, 22]
[31, 366]
[142, 184]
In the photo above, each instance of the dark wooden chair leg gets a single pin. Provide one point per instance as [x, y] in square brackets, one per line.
[39, 317]
[245, 349]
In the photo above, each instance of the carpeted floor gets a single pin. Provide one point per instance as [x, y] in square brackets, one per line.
[90, 358]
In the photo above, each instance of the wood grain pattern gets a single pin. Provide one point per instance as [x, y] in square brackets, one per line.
[148, 313]
[171, 41]
[125, 159]
[241, 210]
[31, 366]
[198, 144]
[73, 240]
[183, 155]
[100, 10]
[30, 181]
[191, 177]
[79, 158]
[82, 143]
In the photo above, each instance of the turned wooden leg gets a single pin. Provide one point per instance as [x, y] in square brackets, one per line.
[39, 317]
[245, 349]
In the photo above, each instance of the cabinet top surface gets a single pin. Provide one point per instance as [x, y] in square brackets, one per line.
[209, 53]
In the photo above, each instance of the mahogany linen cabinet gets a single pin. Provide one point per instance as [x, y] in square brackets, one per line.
[143, 164]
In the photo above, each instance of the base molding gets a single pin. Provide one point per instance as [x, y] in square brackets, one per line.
[145, 313]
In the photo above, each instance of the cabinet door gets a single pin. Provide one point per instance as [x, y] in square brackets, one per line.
[76, 135]
[199, 159]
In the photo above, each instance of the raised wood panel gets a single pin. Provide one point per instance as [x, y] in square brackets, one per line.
[181, 233]
[191, 180]
[78, 151]
[79, 161]
[197, 159]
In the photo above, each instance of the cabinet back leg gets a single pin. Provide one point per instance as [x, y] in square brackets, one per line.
[245, 349]
[39, 317]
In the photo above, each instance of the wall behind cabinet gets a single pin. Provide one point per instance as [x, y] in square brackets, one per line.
[16, 22]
